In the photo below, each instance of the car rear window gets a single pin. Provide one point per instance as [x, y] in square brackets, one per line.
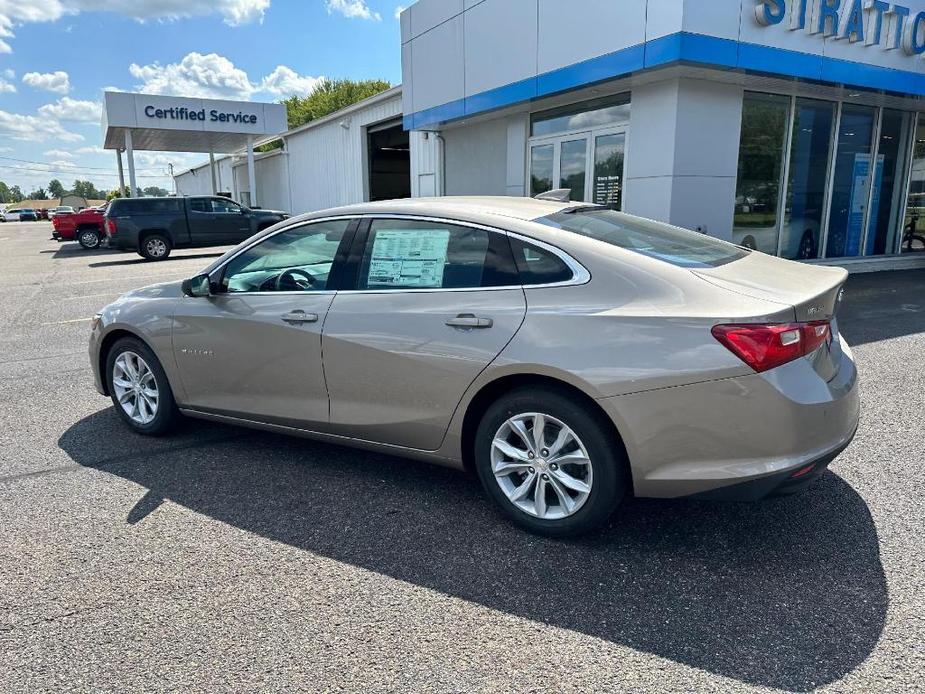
[670, 244]
[125, 206]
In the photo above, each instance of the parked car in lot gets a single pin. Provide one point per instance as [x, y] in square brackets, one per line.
[61, 209]
[85, 227]
[569, 354]
[19, 214]
[155, 226]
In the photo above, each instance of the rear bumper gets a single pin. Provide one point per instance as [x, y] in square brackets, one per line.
[739, 438]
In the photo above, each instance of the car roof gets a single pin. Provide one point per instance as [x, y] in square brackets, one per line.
[461, 207]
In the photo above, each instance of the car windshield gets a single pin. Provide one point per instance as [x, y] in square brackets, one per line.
[654, 239]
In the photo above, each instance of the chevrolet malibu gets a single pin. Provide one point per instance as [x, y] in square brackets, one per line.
[569, 354]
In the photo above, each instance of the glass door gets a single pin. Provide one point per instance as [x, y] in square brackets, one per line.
[590, 164]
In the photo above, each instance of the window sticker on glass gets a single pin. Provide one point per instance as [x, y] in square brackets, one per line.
[408, 258]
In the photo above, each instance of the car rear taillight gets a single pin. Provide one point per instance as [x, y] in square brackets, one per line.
[767, 346]
[111, 227]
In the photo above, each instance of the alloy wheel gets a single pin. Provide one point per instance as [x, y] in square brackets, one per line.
[135, 387]
[541, 465]
[90, 239]
[156, 248]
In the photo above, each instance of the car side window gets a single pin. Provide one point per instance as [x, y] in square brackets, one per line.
[296, 260]
[199, 205]
[539, 266]
[404, 254]
[225, 207]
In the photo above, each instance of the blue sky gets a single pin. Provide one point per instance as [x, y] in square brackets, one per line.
[58, 56]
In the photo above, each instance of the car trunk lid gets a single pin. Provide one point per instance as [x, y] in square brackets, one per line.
[814, 292]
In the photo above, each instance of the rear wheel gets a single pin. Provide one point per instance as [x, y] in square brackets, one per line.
[139, 389]
[550, 462]
[89, 238]
[155, 247]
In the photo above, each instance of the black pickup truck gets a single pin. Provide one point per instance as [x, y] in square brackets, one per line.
[155, 226]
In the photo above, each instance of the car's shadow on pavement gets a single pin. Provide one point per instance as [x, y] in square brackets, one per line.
[70, 249]
[138, 260]
[786, 593]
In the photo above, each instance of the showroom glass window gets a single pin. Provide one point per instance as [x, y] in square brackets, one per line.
[888, 182]
[851, 182]
[807, 179]
[761, 152]
[913, 237]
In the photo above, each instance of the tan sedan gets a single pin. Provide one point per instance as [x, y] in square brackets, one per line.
[569, 354]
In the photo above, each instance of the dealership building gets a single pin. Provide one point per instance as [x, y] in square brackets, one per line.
[796, 127]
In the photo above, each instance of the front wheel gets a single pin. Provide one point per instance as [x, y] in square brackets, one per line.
[155, 247]
[550, 462]
[139, 388]
[89, 238]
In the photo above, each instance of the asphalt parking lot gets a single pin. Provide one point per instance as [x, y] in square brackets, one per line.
[227, 560]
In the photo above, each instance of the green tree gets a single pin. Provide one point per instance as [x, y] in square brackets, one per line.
[55, 189]
[155, 192]
[86, 189]
[15, 194]
[38, 194]
[330, 96]
[5, 195]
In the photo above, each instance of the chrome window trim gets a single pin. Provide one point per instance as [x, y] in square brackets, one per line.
[580, 274]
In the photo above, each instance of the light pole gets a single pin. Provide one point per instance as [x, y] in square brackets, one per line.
[170, 169]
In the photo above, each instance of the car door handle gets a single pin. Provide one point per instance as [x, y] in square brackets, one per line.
[469, 320]
[298, 317]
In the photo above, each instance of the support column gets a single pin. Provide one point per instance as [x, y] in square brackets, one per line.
[212, 170]
[121, 172]
[130, 155]
[251, 172]
[682, 154]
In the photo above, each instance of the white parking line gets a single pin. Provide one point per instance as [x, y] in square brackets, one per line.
[62, 322]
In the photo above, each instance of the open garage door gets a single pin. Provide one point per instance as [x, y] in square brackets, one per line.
[389, 162]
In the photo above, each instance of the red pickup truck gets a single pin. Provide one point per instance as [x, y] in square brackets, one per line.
[85, 227]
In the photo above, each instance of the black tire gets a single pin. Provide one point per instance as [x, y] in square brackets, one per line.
[167, 413]
[155, 247]
[750, 243]
[89, 238]
[610, 479]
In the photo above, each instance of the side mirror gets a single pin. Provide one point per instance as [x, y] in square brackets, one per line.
[198, 286]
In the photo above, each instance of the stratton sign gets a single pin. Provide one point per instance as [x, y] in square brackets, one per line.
[215, 115]
[888, 25]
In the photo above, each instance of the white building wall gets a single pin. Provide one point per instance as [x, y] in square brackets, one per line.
[425, 164]
[487, 158]
[272, 180]
[328, 162]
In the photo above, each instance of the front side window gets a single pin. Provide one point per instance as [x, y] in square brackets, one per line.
[199, 205]
[411, 254]
[646, 237]
[225, 206]
[296, 260]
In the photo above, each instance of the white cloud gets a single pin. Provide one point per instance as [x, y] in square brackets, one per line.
[59, 154]
[214, 76]
[9, 73]
[57, 81]
[210, 76]
[6, 87]
[398, 10]
[284, 82]
[353, 9]
[233, 12]
[92, 149]
[76, 110]
[19, 127]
